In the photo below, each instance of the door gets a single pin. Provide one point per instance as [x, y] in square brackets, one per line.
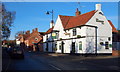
[73, 47]
[62, 47]
[46, 46]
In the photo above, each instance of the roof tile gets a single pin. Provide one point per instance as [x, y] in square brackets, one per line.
[113, 27]
[73, 21]
[49, 31]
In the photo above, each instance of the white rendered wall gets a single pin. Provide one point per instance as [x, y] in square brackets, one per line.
[49, 46]
[58, 26]
[17, 42]
[103, 32]
[44, 47]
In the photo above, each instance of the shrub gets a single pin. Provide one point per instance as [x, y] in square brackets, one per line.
[101, 43]
[110, 45]
[60, 38]
[78, 36]
[55, 49]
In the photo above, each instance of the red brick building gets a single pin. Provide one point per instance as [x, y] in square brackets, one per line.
[116, 44]
[32, 41]
[115, 40]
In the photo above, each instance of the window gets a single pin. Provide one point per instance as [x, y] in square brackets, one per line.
[32, 42]
[109, 38]
[80, 45]
[57, 35]
[106, 45]
[36, 39]
[47, 37]
[46, 46]
[59, 46]
[74, 32]
[55, 45]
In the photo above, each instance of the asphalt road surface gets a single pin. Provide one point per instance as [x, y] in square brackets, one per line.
[41, 61]
[28, 63]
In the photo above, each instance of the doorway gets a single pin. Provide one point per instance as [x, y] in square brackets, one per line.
[62, 47]
[73, 47]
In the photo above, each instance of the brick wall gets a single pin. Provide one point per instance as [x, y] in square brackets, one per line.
[116, 53]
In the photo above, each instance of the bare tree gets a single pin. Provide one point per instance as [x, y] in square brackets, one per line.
[19, 32]
[7, 21]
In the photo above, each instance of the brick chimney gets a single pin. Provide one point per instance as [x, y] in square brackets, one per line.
[28, 32]
[36, 29]
[33, 30]
[77, 13]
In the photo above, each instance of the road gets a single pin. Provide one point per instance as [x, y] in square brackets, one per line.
[44, 61]
[28, 63]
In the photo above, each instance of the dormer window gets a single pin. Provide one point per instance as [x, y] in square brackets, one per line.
[74, 32]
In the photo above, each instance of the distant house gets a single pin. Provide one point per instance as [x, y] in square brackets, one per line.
[116, 44]
[7, 43]
[83, 33]
[31, 40]
[4, 43]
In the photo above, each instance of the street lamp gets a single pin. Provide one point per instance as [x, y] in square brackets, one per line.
[48, 12]
[51, 24]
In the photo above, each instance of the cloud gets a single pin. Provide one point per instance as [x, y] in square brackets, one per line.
[112, 17]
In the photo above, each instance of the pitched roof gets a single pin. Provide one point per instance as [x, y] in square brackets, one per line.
[113, 27]
[64, 19]
[42, 33]
[73, 21]
[26, 36]
[49, 30]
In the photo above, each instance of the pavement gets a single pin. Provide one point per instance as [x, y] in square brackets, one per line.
[5, 60]
[70, 62]
[76, 56]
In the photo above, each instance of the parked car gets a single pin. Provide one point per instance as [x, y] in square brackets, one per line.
[17, 52]
[9, 50]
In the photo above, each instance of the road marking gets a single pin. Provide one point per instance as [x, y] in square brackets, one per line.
[55, 67]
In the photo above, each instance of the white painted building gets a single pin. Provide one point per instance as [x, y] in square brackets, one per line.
[84, 33]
